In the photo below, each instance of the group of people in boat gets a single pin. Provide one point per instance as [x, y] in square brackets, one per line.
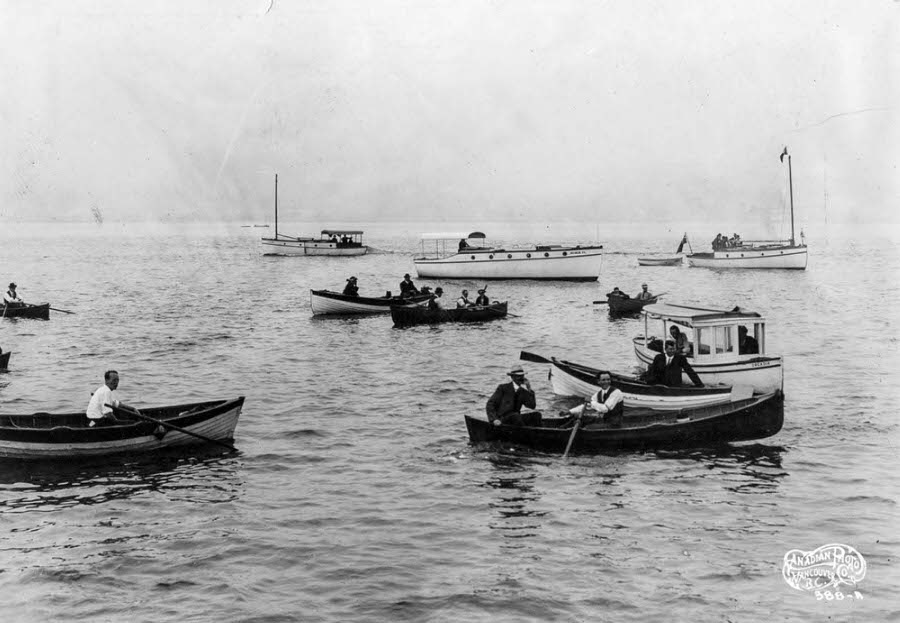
[722, 242]
[643, 295]
[408, 289]
[607, 404]
[342, 241]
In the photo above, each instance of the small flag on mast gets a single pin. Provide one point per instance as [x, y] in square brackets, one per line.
[783, 154]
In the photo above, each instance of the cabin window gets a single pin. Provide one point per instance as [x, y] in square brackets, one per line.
[705, 339]
[724, 343]
[546, 255]
[528, 255]
[509, 256]
[471, 257]
[565, 253]
[491, 256]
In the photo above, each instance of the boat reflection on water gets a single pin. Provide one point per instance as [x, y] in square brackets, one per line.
[758, 466]
[513, 478]
[208, 475]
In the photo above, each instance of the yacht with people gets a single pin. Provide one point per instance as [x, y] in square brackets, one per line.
[732, 252]
[468, 256]
[334, 242]
[723, 345]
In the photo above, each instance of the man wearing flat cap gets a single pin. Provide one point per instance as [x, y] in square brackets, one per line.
[407, 287]
[505, 405]
[11, 299]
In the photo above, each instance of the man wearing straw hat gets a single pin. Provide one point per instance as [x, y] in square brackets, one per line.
[505, 405]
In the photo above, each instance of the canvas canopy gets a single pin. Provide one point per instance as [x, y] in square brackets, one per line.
[691, 315]
[454, 236]
[341, 232]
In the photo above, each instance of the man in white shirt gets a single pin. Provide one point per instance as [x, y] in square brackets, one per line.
[11, 298]
[644, 294]
[608, 402]
[463, 300]
[436, 302]
[97, 411]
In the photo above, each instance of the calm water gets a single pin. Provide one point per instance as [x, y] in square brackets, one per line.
[355, 495]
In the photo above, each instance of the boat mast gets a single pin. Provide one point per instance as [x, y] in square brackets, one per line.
[791, 190]
[276, 205]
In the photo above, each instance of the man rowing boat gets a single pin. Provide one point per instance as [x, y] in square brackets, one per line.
[11, 298]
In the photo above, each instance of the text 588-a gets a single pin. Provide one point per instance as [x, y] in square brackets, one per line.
[837, 595]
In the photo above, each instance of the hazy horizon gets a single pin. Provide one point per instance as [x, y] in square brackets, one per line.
[520, 111]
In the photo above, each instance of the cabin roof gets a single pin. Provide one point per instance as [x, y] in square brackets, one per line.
[693, 315]
[328, 232]
[454, 235]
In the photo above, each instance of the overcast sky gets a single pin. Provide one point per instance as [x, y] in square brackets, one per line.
[394, 110]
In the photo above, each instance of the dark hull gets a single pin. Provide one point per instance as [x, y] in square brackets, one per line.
[61, 436]
[746, 420]
[406, 316]
[627, 306]
[38, 312]
[4, 361]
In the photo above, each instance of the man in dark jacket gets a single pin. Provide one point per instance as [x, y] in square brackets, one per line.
[505, 405]
[667, 367]
[407, 287]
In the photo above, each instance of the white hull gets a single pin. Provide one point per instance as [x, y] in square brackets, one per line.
[774, 257]
[552, 263]
[281, 246]
[323, 305]
[659, 261]
[565, 384]
[220, 428]
[765, 374]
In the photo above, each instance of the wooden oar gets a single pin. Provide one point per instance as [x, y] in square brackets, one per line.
[172, 426]
[572, 437]
[65, 311]
[526, 356]
[601, 302]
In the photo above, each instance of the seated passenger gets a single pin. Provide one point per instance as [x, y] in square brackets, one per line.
[482, 299]
[747, 344]
[463, 244]
[463, 300]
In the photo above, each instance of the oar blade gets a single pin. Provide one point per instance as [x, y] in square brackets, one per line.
[526, 356]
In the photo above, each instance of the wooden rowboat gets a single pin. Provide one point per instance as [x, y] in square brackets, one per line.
[621, 306]
[572, 379]
[753, 418]
[406, 316]
[69, 435]
[39, 312]
[325, 302]
[659, 261]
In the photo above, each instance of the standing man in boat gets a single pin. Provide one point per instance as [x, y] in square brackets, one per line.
[608, 402]
[644, 294]
[436, 303]
[505, 404]
[407, 287]
[482, 300]
[11, 298]
[97, 412]
[351, 288]
[667, 367]
[681, 340]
